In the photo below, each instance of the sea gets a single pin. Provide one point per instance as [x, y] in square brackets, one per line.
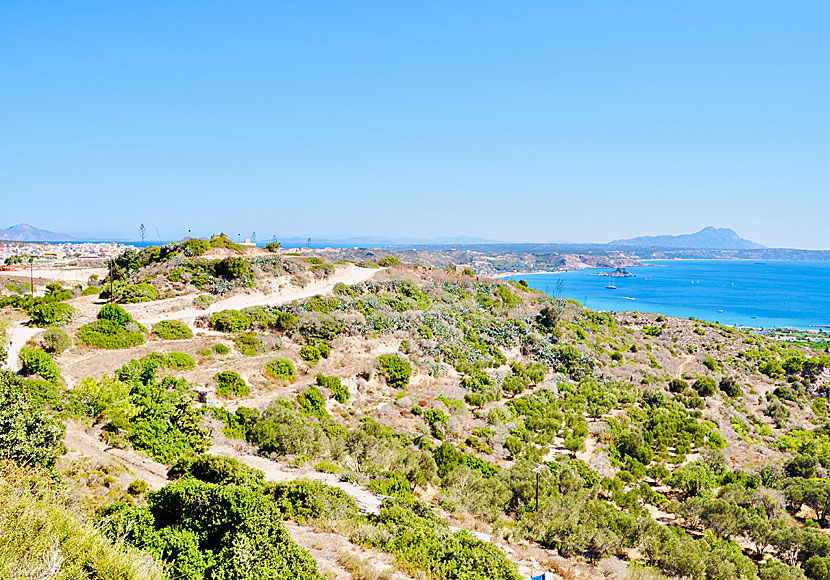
[774, 294]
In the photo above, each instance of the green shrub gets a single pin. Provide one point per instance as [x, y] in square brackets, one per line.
[273, 246]
[281, 369]
[235, 268]
[310, 354]
[327, 467]
[303, 500]
[172, 330]
[230, 321]
[55, 341]
[217, 469]
[220, 348]
[229, 384]
[91, 291]
[203, 301]
[395, 370]
[387, 261]
[108, 334]
[249, 344]
[54, 313]
[705, 386]
[367, 264]
[34, 361]
[342, 289]
[180, 360]
[114, 313]
[28, 435]
[339, 391]
[205, 530]
[137, 487]
[141, 292]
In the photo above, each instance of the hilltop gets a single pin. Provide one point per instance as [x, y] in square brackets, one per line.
[27, 233]
[387, 420]
[708, 238]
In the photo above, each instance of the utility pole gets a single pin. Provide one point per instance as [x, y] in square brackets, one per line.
[142, 231]
[112, 296]
[32, 276]
[253, 238]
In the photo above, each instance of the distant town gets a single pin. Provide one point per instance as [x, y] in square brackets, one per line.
[60, 251]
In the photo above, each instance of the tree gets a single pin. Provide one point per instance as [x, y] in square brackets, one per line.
[27, 434]
[693, 478]
[705, 386]
[207, 530]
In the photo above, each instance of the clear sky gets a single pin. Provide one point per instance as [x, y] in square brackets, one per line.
[519, 121]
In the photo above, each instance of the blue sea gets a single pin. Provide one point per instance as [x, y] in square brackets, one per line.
[736, 292]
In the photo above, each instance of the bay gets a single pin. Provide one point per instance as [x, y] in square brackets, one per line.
[736, 292]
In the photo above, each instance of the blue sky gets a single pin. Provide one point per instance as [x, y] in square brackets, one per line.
[520, 121]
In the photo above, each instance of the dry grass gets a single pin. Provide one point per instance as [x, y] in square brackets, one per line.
[41, 538]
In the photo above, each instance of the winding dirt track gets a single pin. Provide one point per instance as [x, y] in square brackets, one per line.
[148, 313]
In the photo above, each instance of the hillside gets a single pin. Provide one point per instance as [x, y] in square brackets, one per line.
[391, 420]
[708, 238]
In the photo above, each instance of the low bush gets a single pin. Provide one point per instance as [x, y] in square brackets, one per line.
[312, 403]
[55, 341]
[54, 313]
[34, 361]
[206, 530]
[281, 369]
[203, 301]
[387, 261]
[108, 334]
[217, 469]
[367, 264]
[172, 330]
[220, 348]
[249, 344]
[339, 391]
[395, 370]
[304, 500]
[230, 321]
[141, 292]
[230, 384]
[310, 354]
[180, 360]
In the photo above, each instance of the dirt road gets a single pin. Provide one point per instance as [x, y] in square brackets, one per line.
[180, 308]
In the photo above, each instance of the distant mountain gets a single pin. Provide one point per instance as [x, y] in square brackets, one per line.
[27, 233]
[706, 239]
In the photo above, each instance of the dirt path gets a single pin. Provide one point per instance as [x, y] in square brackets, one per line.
[81, 442]
[19, 334]
[366, 500]
[678, 373]
[148, 313]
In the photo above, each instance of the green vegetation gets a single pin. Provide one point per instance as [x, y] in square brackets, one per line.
[230, 384]
[281, 369]
[46, 538]
[207, 530]
[172, 330]
[34, 361]
[387, 261]
[140, 410]
[54, 341]
[339, 391]
[51, 314]
[114, 329]
[395, 370]
[28, 435]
